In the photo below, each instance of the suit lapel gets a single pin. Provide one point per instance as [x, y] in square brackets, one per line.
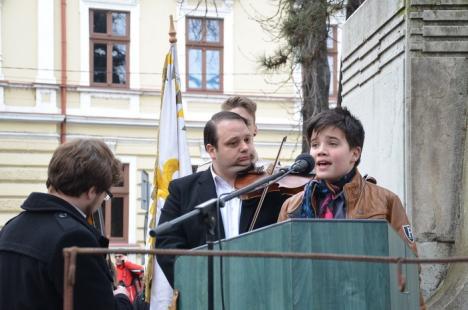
[247, 213]
[207, 190]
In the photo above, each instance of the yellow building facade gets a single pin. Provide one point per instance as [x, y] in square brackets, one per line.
[85, 68]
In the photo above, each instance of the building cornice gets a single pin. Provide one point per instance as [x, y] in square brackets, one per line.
[31, 117]
[29, 135]
[102, 92]
[111, 2]
[122, 121]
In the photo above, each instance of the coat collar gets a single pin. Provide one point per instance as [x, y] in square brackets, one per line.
[208, 191]
[206, 182]
[42, 202]
[353, 191]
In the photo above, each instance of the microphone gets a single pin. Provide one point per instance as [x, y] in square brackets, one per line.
[303, 164]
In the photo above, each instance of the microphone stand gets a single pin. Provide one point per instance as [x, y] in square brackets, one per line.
[209, 218]
[206, 210]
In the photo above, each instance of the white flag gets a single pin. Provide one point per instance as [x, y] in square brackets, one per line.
[173, 161]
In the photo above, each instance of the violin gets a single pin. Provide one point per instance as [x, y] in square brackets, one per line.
[290, 185]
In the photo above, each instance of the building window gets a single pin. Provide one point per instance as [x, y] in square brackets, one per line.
[204, 54]
[115, 211]
[109, 47]
[332, 50]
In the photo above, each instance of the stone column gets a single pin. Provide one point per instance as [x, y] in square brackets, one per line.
[437, 102]
[405, 74]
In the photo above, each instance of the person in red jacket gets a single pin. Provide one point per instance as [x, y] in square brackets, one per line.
[129, 275]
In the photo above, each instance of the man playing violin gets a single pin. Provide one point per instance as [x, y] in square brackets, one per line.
[228, 141]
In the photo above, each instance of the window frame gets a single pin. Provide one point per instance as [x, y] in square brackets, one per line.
[109, 39]
[204, 46]
[118, 192]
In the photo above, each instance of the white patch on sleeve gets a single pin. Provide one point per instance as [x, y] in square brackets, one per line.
[408, 232]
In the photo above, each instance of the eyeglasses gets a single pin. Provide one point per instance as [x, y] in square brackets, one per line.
[109, 196]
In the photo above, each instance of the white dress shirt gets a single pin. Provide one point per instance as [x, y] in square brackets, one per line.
[231, 211]
[78, 209]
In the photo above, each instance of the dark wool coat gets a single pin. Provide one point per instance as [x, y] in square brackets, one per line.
[31, 259]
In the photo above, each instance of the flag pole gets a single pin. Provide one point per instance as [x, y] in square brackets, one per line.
[172, 31]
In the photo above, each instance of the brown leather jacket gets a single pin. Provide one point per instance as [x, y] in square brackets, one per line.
[364, 200]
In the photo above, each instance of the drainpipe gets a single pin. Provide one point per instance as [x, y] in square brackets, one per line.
[63, 70]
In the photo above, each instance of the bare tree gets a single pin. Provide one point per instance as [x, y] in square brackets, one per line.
[303, 25]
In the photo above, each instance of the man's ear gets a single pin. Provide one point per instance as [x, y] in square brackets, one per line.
[91, 193]
[211, 150]
[356, 153]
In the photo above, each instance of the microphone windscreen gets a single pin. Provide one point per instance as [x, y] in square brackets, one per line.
[304, 163]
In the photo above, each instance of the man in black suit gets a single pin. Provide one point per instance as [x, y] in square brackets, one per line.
[228, 141]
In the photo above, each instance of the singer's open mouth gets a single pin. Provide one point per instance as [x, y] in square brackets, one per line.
[323, 163]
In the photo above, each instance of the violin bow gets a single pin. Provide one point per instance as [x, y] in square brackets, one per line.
[265, 190]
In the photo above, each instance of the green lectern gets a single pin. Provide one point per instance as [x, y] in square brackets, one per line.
[272, 283]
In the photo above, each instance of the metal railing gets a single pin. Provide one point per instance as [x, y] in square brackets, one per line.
[71, 253]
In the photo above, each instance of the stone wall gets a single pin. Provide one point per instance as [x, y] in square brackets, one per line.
[405, 74]
[374, 87]
[437, 107]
